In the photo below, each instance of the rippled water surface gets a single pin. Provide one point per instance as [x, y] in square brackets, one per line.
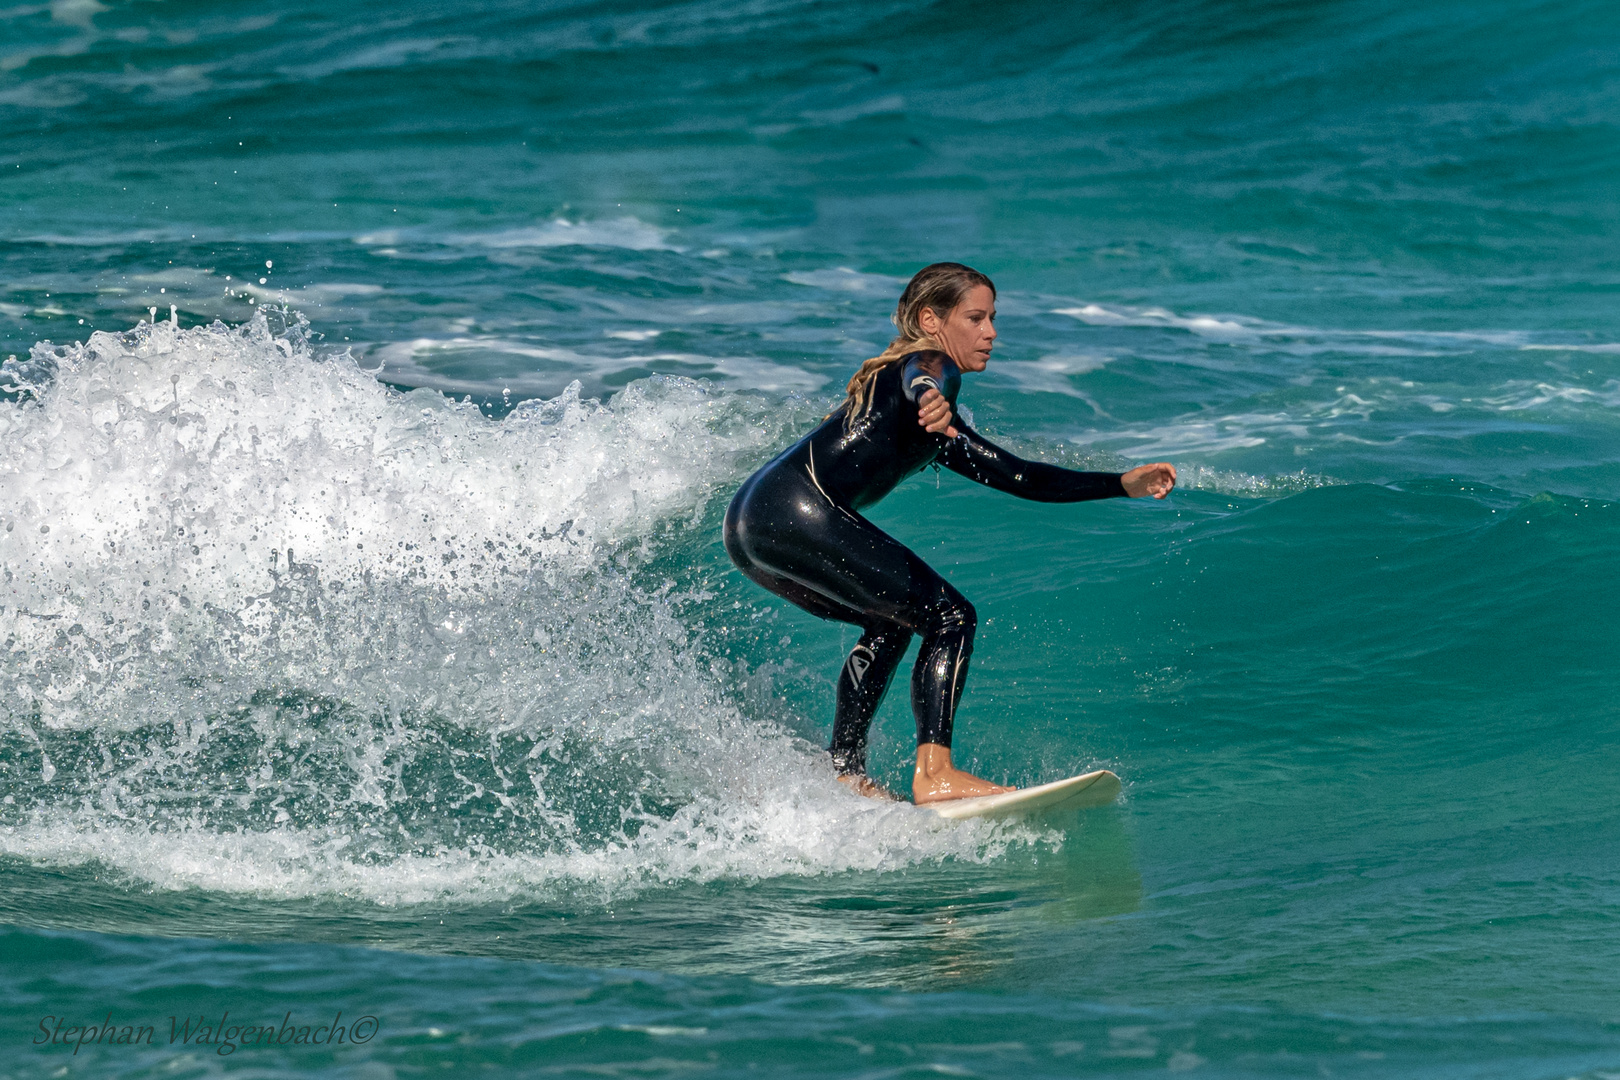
[378, 376]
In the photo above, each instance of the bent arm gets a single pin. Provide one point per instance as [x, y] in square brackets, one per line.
[983, 462]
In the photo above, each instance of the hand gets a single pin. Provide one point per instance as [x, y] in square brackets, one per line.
[1155, 480]
[934, 413]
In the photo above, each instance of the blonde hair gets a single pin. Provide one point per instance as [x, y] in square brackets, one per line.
[939, 287]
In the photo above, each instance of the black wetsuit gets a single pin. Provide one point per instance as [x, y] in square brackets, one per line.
[794, 528]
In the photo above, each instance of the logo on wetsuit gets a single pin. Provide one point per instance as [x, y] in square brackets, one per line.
[947, 380]
[860, 658]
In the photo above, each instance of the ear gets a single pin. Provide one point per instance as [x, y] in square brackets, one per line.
[929, 321]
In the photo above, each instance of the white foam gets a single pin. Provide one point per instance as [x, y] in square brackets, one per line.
[394, 54]
[843, 279]
[628, 233]
[1519, 395]
[624, 232]
[238, 444]
[118, 239]
[1311, 340]
[1053, 374]
[274, 628]
[1608, 347]
[315, 294]
[1193, 477]
[1202, 325]
[891, 103]
[812, 827]
[80, 13]
[405, 362]
[1194, 436]
[1377, 411]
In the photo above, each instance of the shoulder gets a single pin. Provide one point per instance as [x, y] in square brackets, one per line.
[928, 369]
[928, 361]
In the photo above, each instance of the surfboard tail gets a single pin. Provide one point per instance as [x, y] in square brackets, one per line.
[1074, 793]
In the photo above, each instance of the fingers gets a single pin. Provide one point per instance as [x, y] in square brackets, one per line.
[1165, 481]
[934, 413]
[1157, 480]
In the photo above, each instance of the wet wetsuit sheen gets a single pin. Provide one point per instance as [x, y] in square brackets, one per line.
[794, 527]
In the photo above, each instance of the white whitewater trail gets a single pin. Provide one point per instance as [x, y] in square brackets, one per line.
[273, 627]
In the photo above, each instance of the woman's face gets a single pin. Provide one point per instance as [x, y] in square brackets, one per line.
[969, 331]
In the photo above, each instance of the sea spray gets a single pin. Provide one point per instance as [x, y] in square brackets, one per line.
[273, 626]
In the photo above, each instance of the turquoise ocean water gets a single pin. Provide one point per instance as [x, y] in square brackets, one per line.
[369, 648]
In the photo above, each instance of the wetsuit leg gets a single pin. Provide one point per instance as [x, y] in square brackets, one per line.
[867, 670]
[781, 526]
[941, 670]
[862, 683]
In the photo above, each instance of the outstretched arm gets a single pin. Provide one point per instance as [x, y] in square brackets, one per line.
[982, 461]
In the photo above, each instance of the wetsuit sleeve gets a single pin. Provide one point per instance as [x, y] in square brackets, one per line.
[982, 461]
[929, 370]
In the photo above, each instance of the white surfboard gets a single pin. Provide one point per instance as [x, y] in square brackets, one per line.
[1077, 792]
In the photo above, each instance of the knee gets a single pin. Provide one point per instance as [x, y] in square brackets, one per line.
[953, 613]
[966, 616]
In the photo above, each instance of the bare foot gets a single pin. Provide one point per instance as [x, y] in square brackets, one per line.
[936, 779]
[862, 784]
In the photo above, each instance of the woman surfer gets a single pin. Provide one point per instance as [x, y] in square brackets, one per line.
[795, 528]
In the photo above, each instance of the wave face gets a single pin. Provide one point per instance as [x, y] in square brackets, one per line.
[375, 377]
